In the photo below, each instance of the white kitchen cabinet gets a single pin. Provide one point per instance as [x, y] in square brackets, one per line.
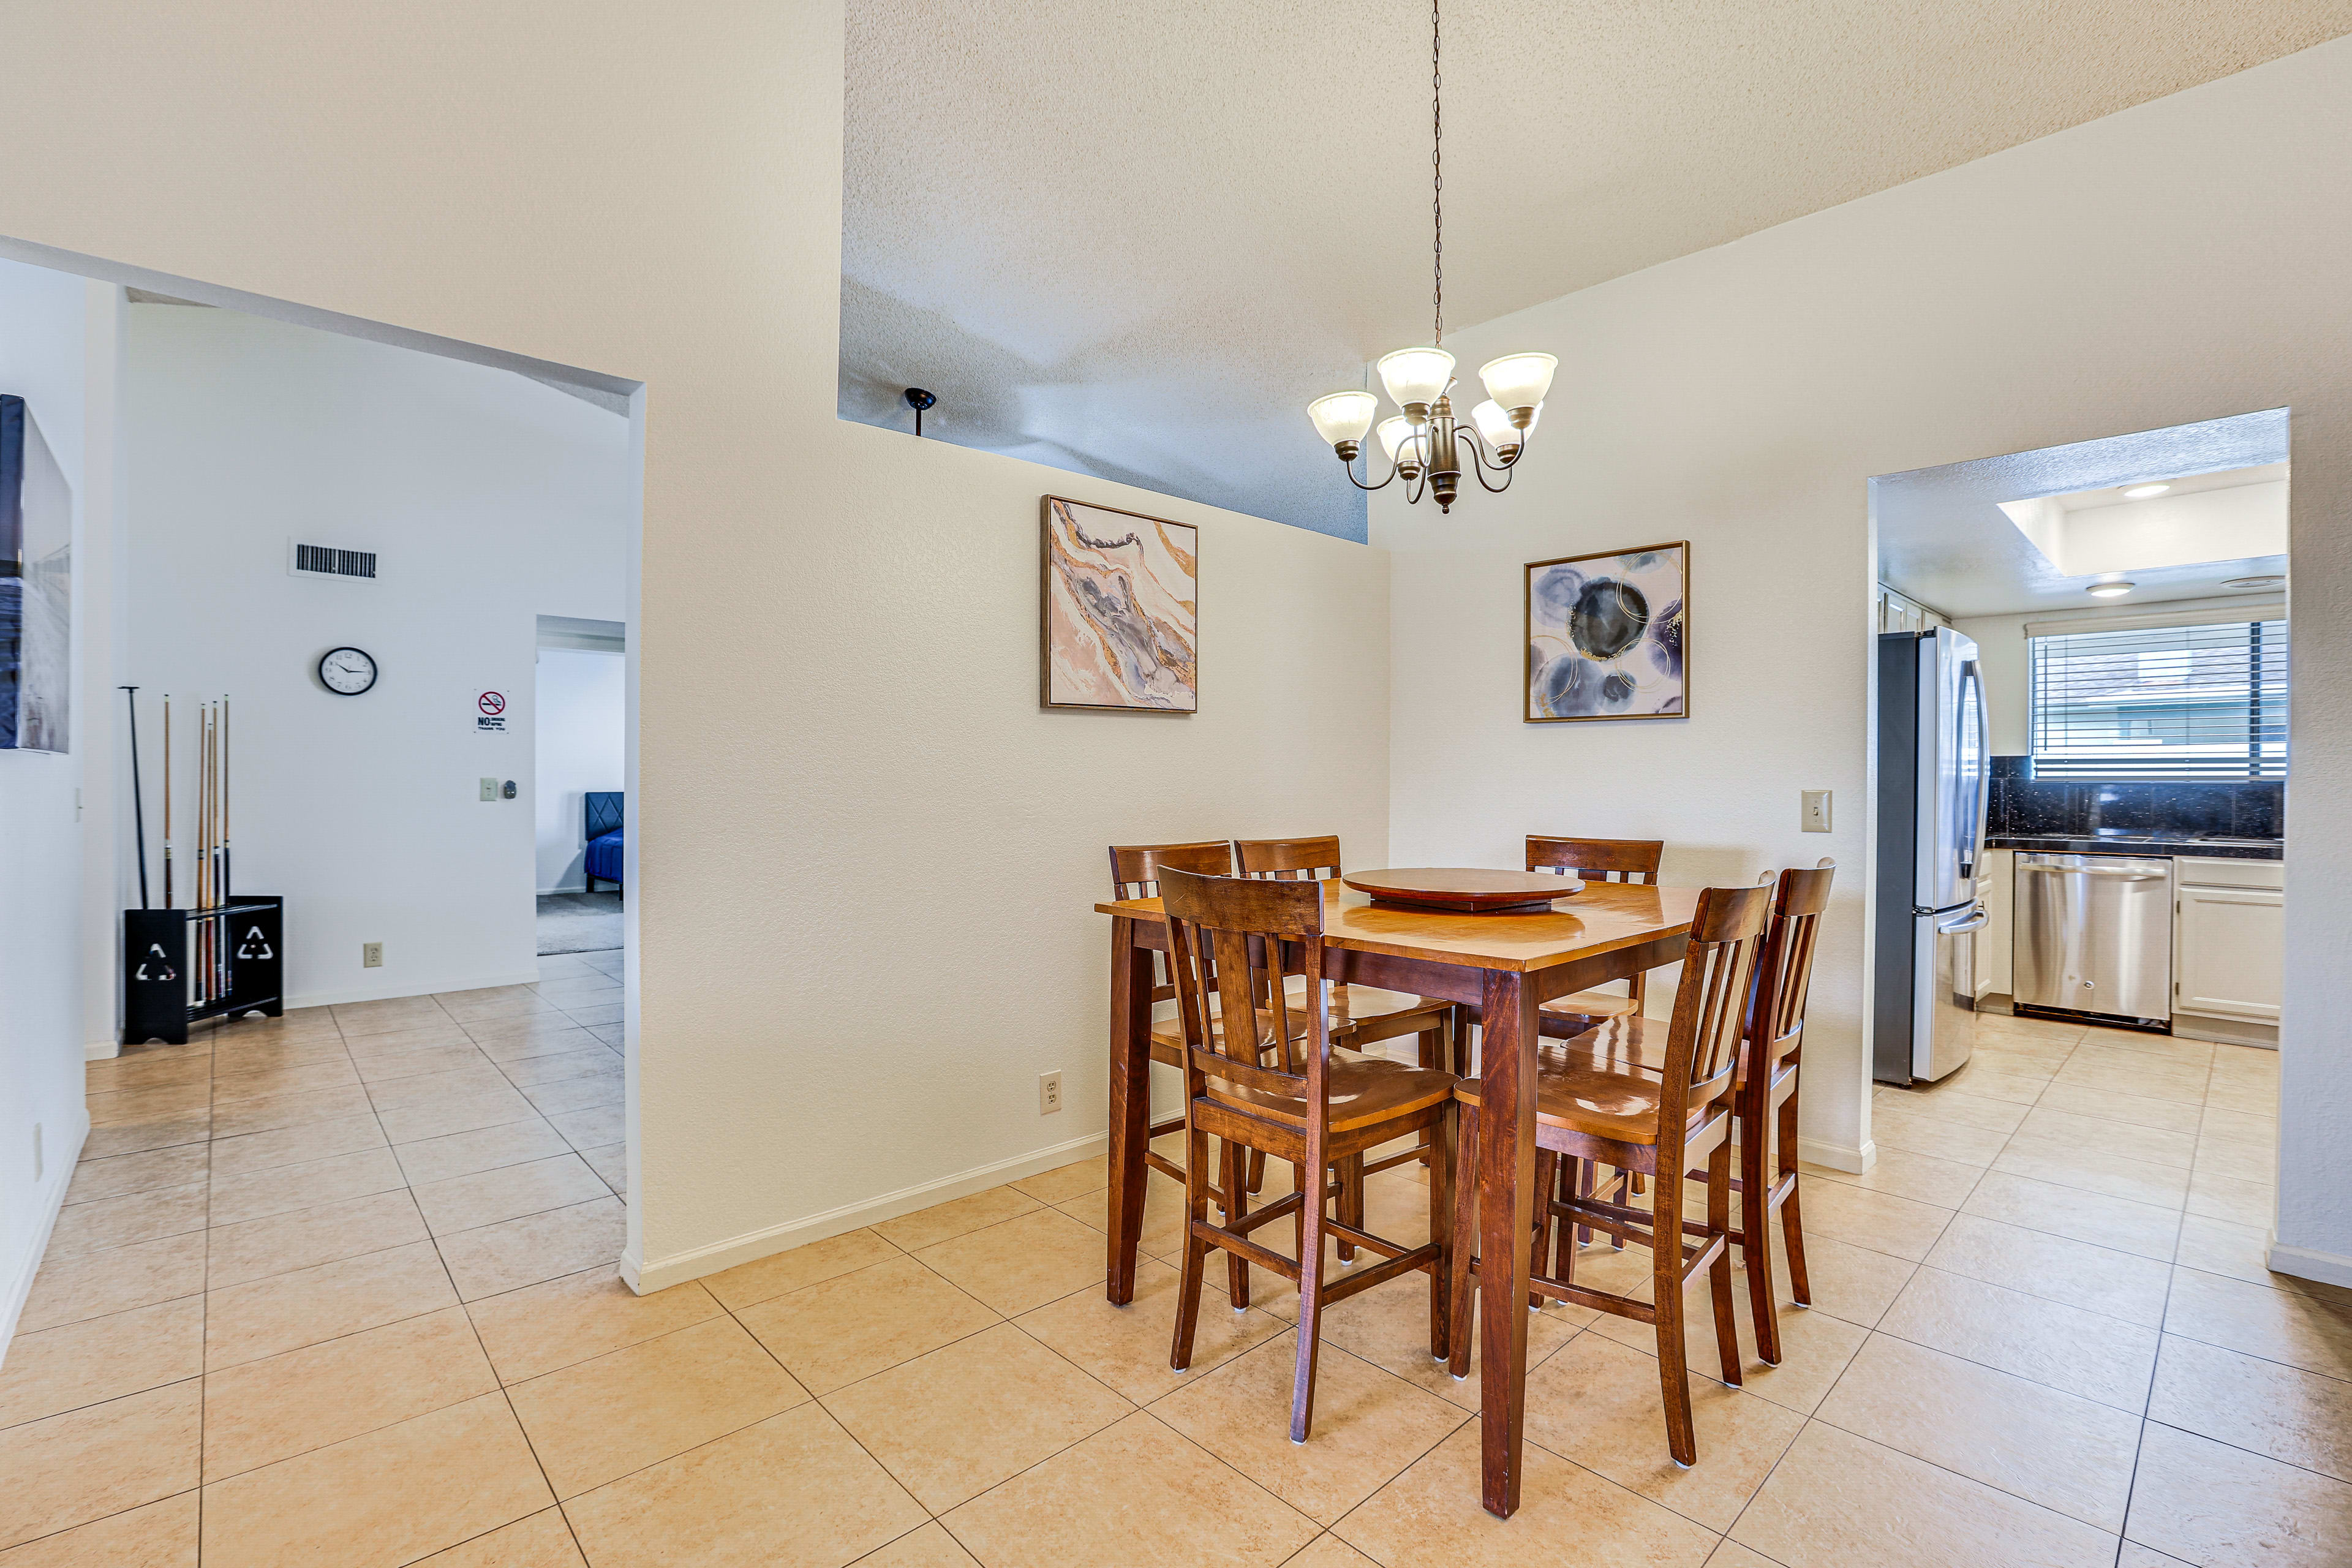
[1997, 888]
[2229, 949]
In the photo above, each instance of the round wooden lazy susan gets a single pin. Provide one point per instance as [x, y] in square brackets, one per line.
[1467, 890]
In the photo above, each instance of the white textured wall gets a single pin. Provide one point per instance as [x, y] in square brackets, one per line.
[1742, 397]
[579, 736]
[489, 500]
[45, 346]
[863, 857]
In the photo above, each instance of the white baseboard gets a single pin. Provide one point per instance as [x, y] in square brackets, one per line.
[384, 990]
[660, 1274]
[2303, 1263]
[54, 1179]
[101, 1050]
[1838, 1156]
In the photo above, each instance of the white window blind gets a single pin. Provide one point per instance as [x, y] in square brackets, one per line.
[2168, 702]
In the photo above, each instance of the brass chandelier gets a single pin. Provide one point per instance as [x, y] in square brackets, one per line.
[1424, 443]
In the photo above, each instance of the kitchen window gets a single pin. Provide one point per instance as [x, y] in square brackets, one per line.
[2205, 701]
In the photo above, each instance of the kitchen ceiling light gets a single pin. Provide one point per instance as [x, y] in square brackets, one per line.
[2110, 590]
[2264, 582]
[1426, 443]
[2142, 492]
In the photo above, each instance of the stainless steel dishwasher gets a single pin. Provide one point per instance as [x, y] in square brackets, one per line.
[2094, 935]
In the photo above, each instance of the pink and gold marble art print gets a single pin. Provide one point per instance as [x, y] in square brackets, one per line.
[1120, 602]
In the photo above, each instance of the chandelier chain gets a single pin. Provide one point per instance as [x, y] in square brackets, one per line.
[1437, 184]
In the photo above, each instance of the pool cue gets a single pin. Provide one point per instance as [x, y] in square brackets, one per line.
[203, 896]
[138, 806]
[167, 800]
[228, 894]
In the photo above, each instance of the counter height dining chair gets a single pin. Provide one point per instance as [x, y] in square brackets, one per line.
[1361, 1016]
[1294, 1095]
[1135, 874]
[1596, 1102]
[1632, 860]
[1628, 860]
[1766, 1100]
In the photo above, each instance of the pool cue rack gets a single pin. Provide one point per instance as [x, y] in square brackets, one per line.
[221, 956]
[181, 967]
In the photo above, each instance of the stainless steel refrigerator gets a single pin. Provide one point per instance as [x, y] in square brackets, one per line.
[1934, 785]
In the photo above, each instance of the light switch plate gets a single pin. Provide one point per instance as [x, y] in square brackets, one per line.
[1817, 811]
[490, 789]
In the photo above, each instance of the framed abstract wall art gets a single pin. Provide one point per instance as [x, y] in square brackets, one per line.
[1607, 636]
[1119, 621]
[36, 587]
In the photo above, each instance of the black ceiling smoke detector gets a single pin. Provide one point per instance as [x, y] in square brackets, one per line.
[918, 400]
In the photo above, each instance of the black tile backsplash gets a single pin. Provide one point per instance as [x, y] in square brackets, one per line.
[2024, 805]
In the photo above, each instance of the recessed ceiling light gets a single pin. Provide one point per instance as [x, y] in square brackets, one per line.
[2109, 590]
[2270, 581]
[2141, 492]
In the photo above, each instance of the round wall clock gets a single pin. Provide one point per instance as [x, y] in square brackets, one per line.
[346, 671]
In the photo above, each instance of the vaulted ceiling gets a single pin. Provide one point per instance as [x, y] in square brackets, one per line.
[1133, 240]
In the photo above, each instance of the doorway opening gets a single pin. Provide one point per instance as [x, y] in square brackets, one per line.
[2080, 747]
[581, 749]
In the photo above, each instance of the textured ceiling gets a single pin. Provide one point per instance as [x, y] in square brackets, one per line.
[1134, 238]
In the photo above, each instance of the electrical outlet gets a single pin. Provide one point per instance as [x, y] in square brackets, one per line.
[1817, 811]
[490, 789]
[371, 955]
[1049, 1092]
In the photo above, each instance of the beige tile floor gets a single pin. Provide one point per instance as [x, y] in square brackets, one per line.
[340, 1290]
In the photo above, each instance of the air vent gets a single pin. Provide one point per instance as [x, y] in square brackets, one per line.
[324, 561]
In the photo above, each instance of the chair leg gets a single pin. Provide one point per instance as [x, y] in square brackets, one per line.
[1792, 1224]
[1196, 1249]
[1540, 1245]
[1257, 1169]
[1351, 1202]
[1236, 1266]
[1564, 1244]
[1756, 1239]
[1442, 1231]
[1465, 1239]
[1586, 1175]
[1719, 1273]
[1310, 1314]
[1666, 1291]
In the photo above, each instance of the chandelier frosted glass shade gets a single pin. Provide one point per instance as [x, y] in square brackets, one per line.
[1343, 415]
[1396, 432]
[1518, 381]
[1416, 375]
[1493, 425]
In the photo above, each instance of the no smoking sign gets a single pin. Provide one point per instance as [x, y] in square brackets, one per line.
[489, 712]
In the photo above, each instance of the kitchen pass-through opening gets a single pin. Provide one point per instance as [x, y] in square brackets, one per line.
[2080, 662]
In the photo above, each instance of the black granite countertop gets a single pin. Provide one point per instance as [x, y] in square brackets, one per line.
[2220, 849]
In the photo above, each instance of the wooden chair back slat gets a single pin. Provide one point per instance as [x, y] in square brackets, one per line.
[1785, 973]
[1288, 859]
[1597, 859]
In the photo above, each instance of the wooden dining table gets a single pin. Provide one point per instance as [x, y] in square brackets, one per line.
[1506, 965]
